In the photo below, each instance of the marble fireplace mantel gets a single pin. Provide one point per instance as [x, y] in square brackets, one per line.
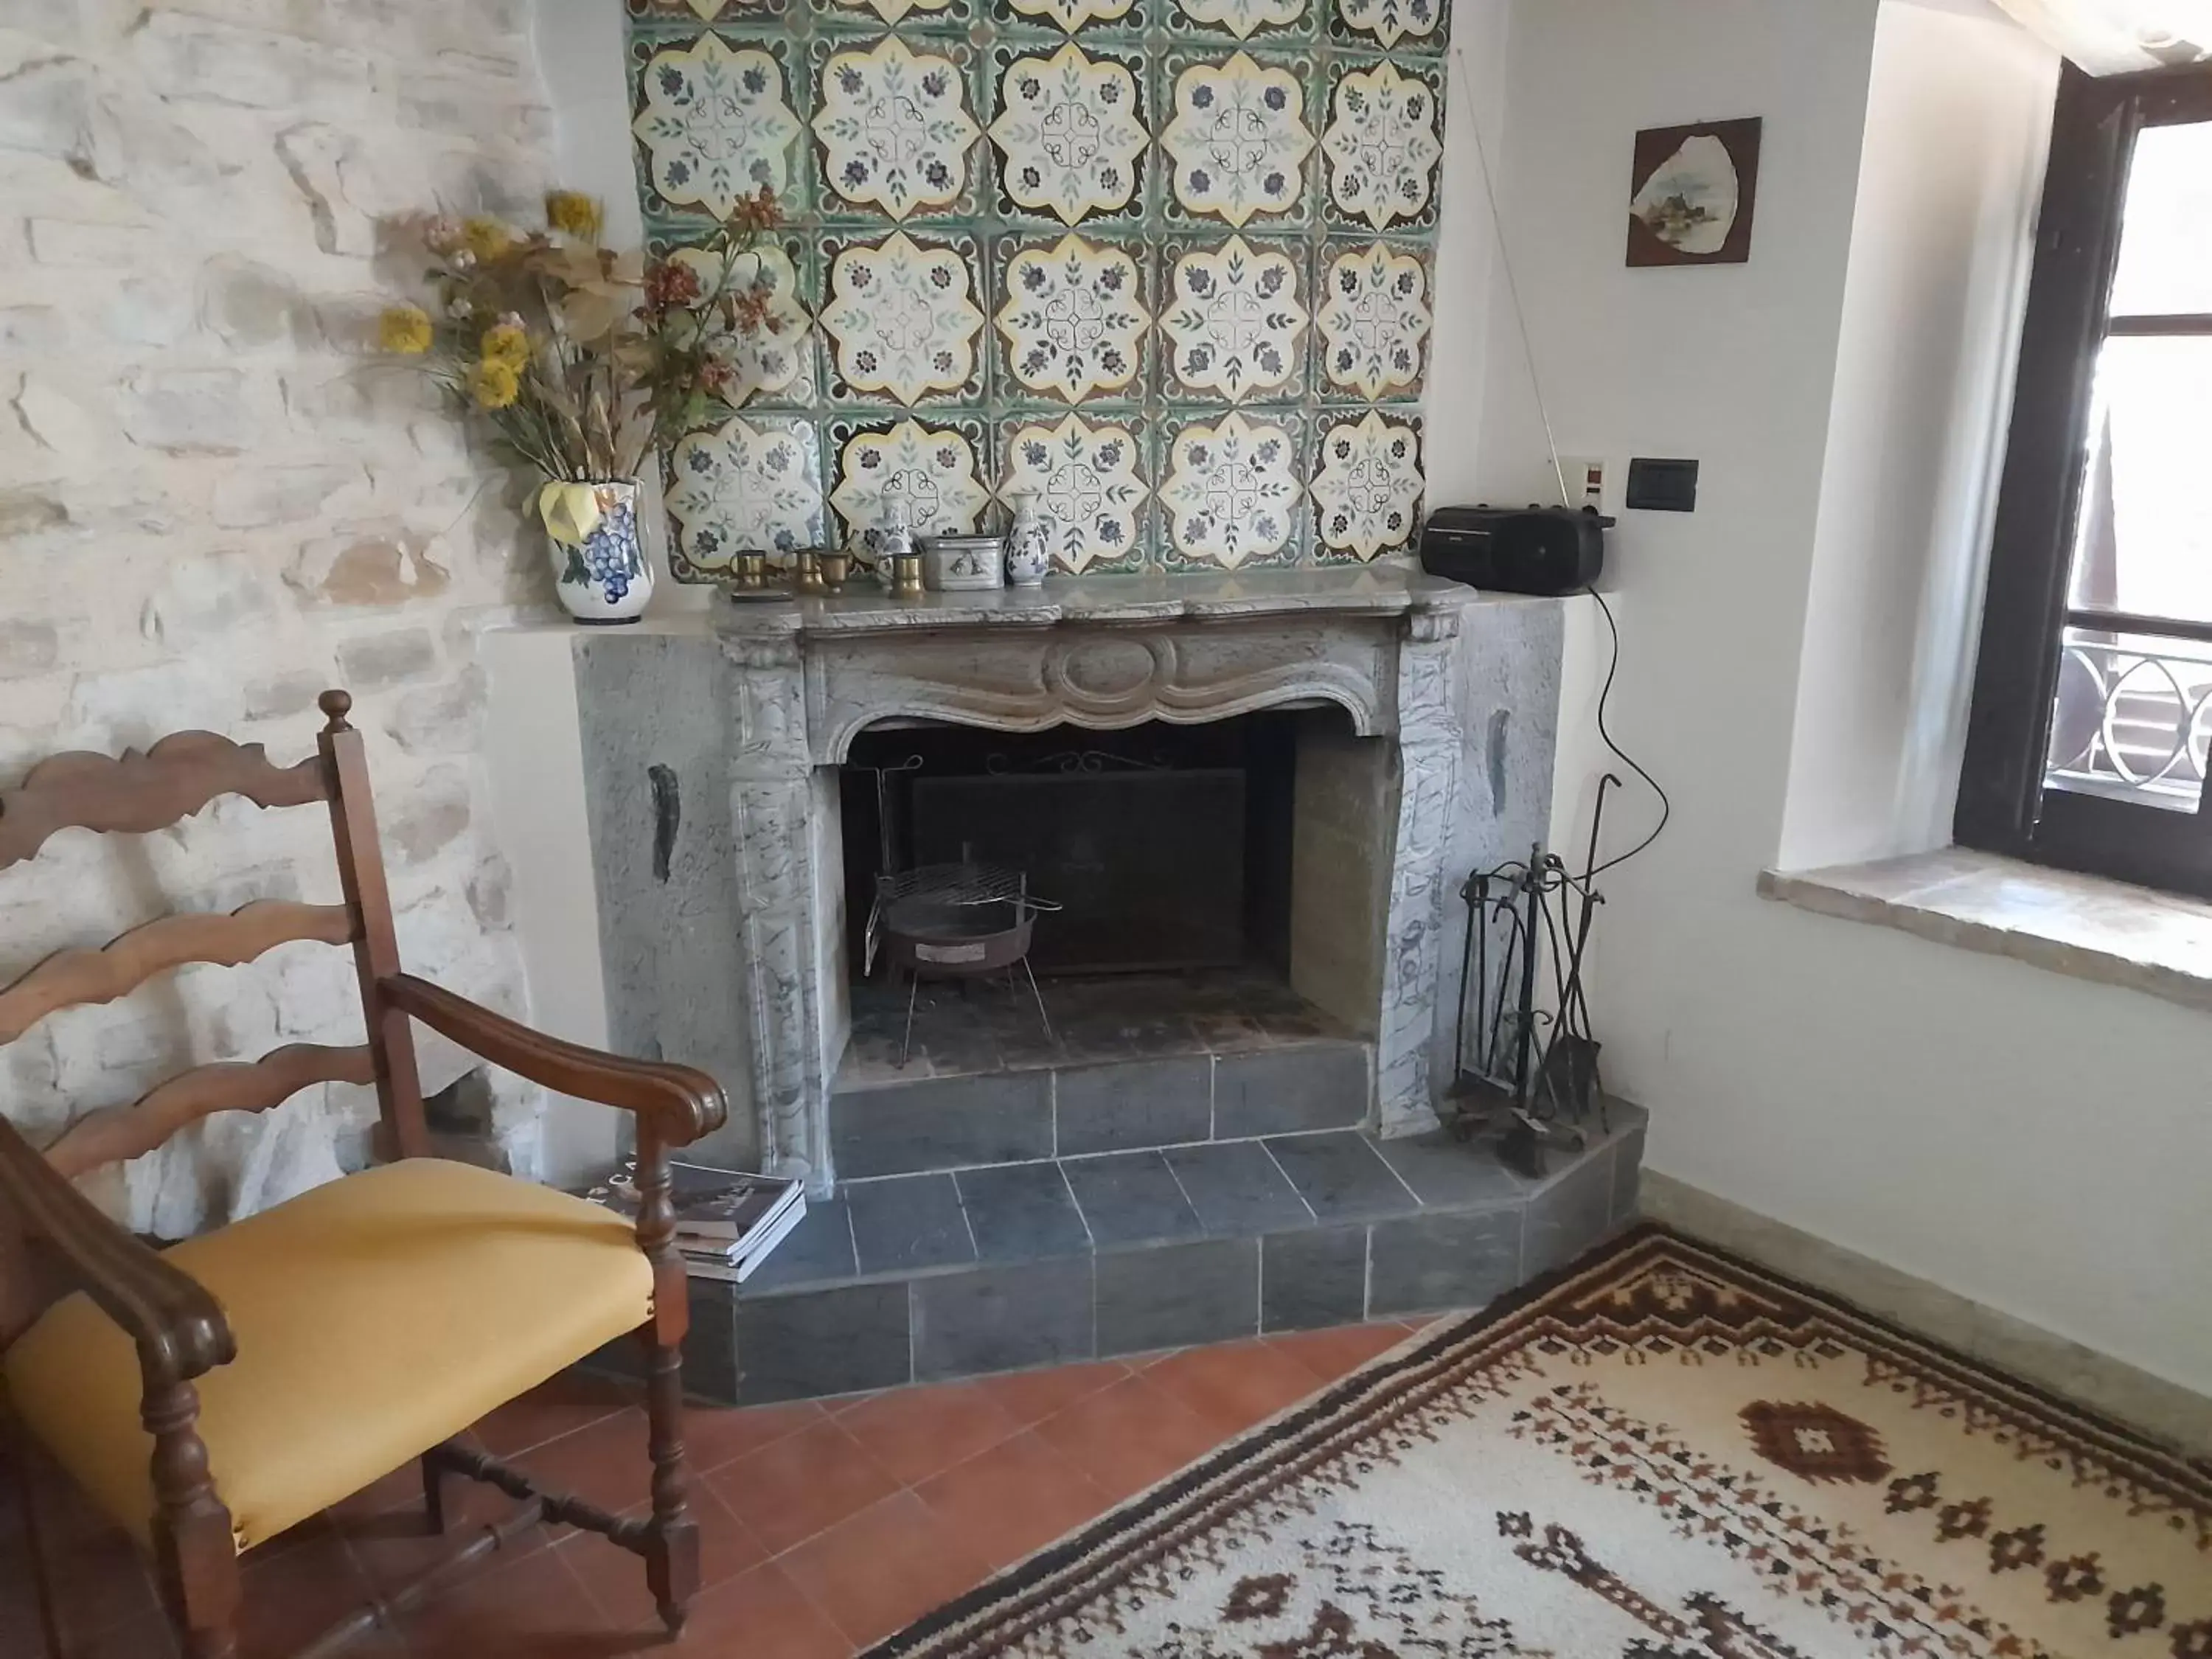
[760, 706]
[1182, 649]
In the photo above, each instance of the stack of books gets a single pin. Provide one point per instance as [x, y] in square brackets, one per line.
[727, 1220]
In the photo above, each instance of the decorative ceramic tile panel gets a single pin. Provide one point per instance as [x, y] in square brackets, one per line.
[1167, 265]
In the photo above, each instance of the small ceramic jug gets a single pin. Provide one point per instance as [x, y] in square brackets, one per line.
[1028, 545]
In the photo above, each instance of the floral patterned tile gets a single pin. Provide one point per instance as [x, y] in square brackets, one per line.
[1071, 126]
[1367, 483]
[895, 130]
[753, 482]
[935, 465]
[1231, 488]
[1073, 320]
[1382, 149]
[1087, 473]
[1267, 22]
[716, 117]
[1236, 138]
[780, 368]
[1129, 20]
[1233, 318]
[902, 318]
[649, 14]
[1397, 26]
[1372, 318]
[910, 16]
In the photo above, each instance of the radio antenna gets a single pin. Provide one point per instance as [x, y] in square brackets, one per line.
[1465, 81]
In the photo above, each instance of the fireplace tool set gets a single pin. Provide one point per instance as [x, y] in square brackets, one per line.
[1528, 1074]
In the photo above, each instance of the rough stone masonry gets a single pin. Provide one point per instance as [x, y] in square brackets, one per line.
[213, 504]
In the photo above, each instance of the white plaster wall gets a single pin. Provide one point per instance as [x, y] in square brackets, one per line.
[534, 742]
[1940, 255]
[580, 49]
[1461, 359]
[2026, 1141]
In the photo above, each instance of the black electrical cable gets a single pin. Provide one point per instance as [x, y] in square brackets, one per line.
[1666, 806]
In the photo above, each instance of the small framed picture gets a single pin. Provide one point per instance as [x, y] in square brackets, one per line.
[1691, 194]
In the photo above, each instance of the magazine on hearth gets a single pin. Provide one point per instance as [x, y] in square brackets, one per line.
[727, 1220]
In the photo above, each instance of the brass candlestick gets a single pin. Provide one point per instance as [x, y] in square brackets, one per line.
[752, 569]
[836, 567]
[808, 579]
[906, 576]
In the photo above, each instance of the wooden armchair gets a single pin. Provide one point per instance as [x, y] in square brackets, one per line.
[210, 1396]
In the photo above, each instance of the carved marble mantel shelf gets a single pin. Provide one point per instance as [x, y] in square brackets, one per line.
[1101, 655]
[808, 675]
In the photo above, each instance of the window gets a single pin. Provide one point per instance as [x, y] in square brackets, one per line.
[2093, 697]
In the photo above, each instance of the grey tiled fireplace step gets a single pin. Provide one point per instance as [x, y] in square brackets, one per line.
[945, 1274]
[1147, 1061]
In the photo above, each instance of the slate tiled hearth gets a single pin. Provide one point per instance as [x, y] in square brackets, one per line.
[1132, 1211]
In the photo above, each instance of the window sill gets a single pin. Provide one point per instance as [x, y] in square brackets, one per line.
[2082, 926]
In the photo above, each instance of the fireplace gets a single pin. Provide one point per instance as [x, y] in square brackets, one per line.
[1255, 796]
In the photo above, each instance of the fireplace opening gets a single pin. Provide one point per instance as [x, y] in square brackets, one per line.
[1166, 848]
[1218, 887]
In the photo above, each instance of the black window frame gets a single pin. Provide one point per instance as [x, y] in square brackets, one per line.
[2003, 806]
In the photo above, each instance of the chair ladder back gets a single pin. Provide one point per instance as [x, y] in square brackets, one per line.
[139, 791]
[376, 945]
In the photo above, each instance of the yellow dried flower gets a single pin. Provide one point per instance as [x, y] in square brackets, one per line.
[487, 238]
[508, 345]
[405, 330]
[494, 386]
[573, 214]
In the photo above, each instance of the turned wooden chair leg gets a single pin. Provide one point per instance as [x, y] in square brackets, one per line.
[21, 1454]
[434, 1492]
[193, 1548]
[671, 1550]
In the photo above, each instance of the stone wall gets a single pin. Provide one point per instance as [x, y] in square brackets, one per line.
[212, 506]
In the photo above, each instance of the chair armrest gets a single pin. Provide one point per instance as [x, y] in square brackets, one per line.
[680, 1102]
[178, 1325]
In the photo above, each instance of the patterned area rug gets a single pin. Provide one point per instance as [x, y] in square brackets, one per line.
[1664, 1453]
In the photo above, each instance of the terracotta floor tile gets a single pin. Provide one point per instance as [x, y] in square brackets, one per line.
[296, 1594]
[715, 1435]
[915, 1433]
[569, 1402]
[1032, 1397]
[144, 1637]
[101, 1579]
[1127, 1437]
[401, 1489]
[615, 1578]
[1235, 1385]
[394, 1546]
[534, 1605]
[1012, 1499]
[761, 1615]
[801, 1484]
[604, 1463]
[878, 1571]
[1331, 1354]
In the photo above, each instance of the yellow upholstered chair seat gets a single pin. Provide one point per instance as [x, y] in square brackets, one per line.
[375, 1317]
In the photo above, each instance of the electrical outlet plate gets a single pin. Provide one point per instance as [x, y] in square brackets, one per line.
[1586, 478]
